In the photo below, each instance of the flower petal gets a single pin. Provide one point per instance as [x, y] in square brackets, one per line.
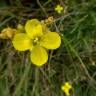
[33, 28]
[51, 40]
[39, 56]
[22, 42]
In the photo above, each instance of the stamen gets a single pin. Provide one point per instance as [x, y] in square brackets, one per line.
[35, 41]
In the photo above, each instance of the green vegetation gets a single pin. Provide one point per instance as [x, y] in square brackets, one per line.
[74, 61]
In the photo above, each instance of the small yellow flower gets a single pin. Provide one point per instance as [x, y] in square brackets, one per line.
[66, 88]
[36, 39]
[8, 33]
[59, 8]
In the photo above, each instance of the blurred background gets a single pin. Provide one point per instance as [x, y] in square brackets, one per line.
[74, 61]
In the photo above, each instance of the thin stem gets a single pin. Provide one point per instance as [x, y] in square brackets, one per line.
[49, 67]
[38, 2]
[35, 87]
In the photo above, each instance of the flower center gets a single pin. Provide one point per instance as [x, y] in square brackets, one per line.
[35, 41]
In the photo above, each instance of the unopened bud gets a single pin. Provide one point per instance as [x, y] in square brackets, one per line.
[7, 33]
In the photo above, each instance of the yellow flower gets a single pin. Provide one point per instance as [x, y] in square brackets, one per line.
[66, 88]
[8, 33]
[37, 40]
[59, 9]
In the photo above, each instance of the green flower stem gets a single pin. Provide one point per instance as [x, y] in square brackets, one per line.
[35, 86]
[49, 67]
